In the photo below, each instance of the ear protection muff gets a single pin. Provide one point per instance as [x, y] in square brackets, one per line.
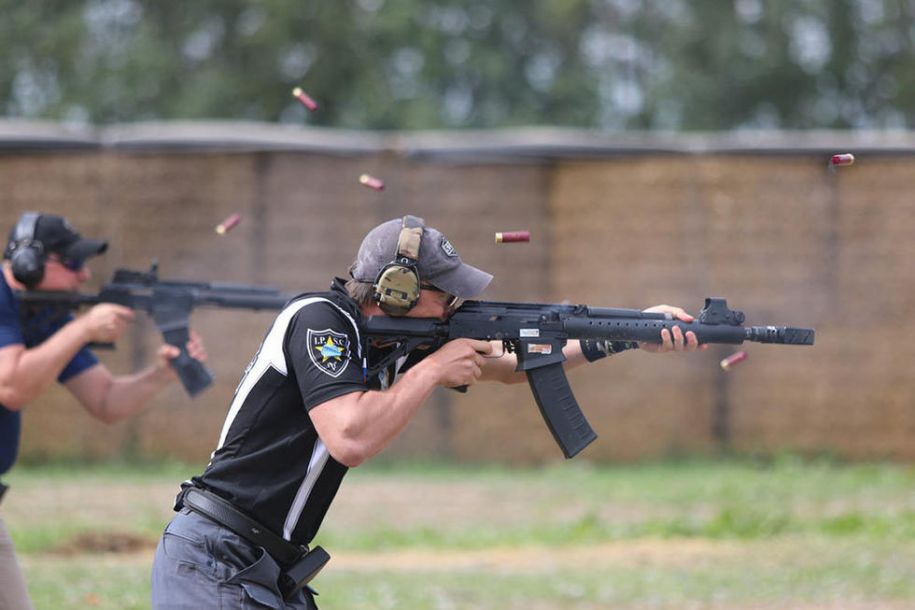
[27, 256]
[397, 286]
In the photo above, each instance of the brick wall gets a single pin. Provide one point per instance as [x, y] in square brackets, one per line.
[782, 238]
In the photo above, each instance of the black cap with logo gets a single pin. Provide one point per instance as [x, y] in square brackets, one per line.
[55, 234]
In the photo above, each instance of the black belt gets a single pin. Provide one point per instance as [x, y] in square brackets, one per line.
[299, 564]
[224, 513]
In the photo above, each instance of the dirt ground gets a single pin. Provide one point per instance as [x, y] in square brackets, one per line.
[123, 549]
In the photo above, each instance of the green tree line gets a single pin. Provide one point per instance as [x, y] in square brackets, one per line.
[411, 64]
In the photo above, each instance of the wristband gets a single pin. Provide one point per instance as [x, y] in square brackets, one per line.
[595, 349]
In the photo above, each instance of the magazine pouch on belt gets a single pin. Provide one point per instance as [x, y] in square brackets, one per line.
[299, 574]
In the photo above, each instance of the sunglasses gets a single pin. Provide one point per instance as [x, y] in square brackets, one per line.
[71, 264]
[453, 302]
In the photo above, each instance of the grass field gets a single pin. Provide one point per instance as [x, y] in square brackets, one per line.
[741, 534]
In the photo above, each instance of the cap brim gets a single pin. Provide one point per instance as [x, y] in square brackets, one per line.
[85, 248]
[465, 281]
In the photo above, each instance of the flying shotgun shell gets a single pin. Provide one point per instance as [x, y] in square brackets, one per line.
[372, 182]
[512, 236]
[305, 99]
[228, 224]
[733, 360]
[841, 160]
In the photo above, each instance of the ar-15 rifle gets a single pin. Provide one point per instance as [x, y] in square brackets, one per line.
[169, 303]
[537, 333]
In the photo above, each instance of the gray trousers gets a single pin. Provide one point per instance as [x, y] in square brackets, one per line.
[13, 594]
[200, 564]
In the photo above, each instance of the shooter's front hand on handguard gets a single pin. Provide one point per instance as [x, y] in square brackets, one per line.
[460, 362]
[674, 341]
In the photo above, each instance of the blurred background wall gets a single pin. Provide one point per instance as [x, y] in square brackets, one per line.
[617, 220]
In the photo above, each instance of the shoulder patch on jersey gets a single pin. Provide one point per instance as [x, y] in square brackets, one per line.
[329, 350]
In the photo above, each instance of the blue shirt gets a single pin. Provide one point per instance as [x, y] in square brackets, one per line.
[29, 330]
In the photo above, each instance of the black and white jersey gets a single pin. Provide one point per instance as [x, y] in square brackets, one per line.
[270, 462]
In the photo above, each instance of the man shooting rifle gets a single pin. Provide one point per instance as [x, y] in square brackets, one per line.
[313, 403]
[41, 344]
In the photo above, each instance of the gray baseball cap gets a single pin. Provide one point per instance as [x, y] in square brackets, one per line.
[439, 263]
